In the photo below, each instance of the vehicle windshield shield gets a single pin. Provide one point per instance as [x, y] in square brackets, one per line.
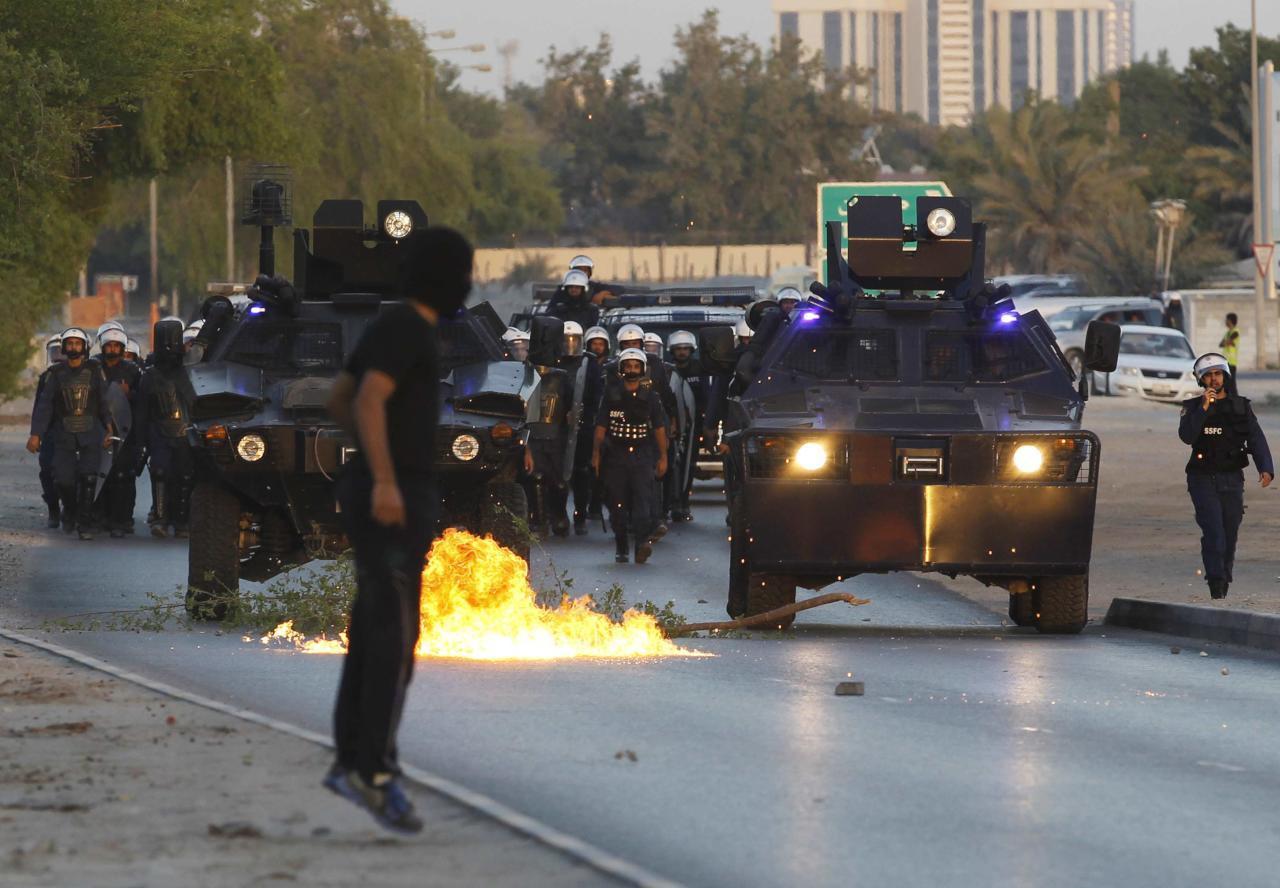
[843, 354]
[1156, 345]
[980, 356]
[461, 344]
[287, 346]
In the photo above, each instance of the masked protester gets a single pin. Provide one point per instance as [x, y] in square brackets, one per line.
[387, 399]
[1223, 432]
[118, 495]
[73, 407]
[48, 486]
[630, 453]
[161, 418]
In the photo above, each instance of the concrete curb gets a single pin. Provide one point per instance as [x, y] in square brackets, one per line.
[544, 834]
[1246, 628]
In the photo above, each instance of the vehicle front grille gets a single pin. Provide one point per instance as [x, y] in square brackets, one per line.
[215, 406]
[1161, 374]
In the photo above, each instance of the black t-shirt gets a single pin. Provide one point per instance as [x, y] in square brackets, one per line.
[402, 344]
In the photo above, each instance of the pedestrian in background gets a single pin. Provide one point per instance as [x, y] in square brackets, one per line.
[387, 399]
[1223, 433]
[1230, 343]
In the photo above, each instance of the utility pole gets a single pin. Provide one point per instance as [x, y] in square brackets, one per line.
[231, 222]
[155, 245]
[1259, 224]
[508, 52]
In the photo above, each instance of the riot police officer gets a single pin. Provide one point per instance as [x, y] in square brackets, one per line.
[548, 430]
[73, 407]
[586, 378]
[788, 298]
[119, 494]
[742, 331]
[597, 291]
[516, 343]
[572, 301]
[133, 353]
[48, 486]
[630, 453]
[588, 489]
[1222, 430]
[161, 421]
[689, 387]
[653, 344]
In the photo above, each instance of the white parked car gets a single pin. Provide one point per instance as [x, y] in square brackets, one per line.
[1155, 363]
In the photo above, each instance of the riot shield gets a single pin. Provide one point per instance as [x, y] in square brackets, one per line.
[575, 416]
[686, 430]
[122, 419]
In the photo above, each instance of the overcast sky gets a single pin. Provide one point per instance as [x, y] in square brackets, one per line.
[643, 28]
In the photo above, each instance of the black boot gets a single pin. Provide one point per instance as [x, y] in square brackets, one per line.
[182, 509]
[1218, 588]
[159, 518]
[622, 556]
[49, 493]
[84, 506]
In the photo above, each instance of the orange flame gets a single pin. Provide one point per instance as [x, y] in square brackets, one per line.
[477, 604]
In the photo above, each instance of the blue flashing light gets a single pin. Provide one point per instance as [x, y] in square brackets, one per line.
[1008, 317]
[810, 315]
[257, 308]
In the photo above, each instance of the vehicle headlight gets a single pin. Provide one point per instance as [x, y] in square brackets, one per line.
[1028, 459]
[941, 222]
[466, 447]
[397, 224]
[251, 448]
[811, 456]
[1131, 371]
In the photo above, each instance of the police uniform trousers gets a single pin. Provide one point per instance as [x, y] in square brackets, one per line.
[121, 490]
[1219, 502]
[630, 488]
[384, 617]
[551, 492]
[77, 454]
[172, 476]
[48, 484]
[584, 480]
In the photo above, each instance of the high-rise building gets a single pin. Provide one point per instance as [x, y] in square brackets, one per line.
[944, 59]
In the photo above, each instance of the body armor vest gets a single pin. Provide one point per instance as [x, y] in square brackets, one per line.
[169, 408]
[78, 404]
[1223, 445]
[629, 415]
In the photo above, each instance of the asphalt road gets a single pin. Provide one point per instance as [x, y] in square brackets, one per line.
[980, 755]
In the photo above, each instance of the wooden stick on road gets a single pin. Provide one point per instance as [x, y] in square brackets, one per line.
[768, 617]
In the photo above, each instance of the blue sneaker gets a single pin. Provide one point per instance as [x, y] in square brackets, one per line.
[335, 780]
[387, 804]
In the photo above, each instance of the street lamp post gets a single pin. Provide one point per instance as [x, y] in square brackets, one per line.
[1169, 215]
[1259, 226]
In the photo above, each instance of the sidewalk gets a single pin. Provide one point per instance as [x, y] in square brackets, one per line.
[104, 783]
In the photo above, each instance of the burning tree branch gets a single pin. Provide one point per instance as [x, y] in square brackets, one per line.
[768, 617]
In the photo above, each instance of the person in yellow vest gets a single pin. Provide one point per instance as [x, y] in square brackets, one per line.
[1230, 343]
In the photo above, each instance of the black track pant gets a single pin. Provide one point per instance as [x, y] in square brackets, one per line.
[384, 619]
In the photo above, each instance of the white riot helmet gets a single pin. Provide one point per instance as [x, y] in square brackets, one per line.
[743, 330]
[577, 278]
[681, 338]
[788, 294]
[572, 339]
[632, 354]
[517, 343]
[596, 333]
[53, 348]
[109, 325]
[131, 347]
[1211, 361]
[114, 335]
[74, 333]
[583, 262]
[653, 343]
[630, 333]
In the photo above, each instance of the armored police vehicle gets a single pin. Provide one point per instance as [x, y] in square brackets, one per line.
[666, 310]
[929, 428]
[267, 452]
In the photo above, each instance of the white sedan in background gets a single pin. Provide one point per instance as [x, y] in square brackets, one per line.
[1155, 363]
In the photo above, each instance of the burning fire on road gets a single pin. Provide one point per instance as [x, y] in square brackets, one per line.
[477, 604]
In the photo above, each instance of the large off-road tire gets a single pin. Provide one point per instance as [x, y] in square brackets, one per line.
[1061, 604]
[279, 548]
[768, 591]
[501, 512]
[1021, 609]
[213, 556]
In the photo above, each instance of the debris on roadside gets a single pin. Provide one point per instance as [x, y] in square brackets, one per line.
[850, 689]
[1175, 650]
[235, 829]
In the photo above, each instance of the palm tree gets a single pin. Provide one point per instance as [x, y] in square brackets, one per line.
[1223, 178]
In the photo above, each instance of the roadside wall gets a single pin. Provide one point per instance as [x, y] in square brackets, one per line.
[649, 264]
[1205, 311]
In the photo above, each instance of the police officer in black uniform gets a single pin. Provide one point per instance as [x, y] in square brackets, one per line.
[73, 407]
[572, 301]
[1222, 430]
[161, 420]
[630, 453]
[48, 486]
[688, 383]
[588, 490]
[548, 429]
[118, 495]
